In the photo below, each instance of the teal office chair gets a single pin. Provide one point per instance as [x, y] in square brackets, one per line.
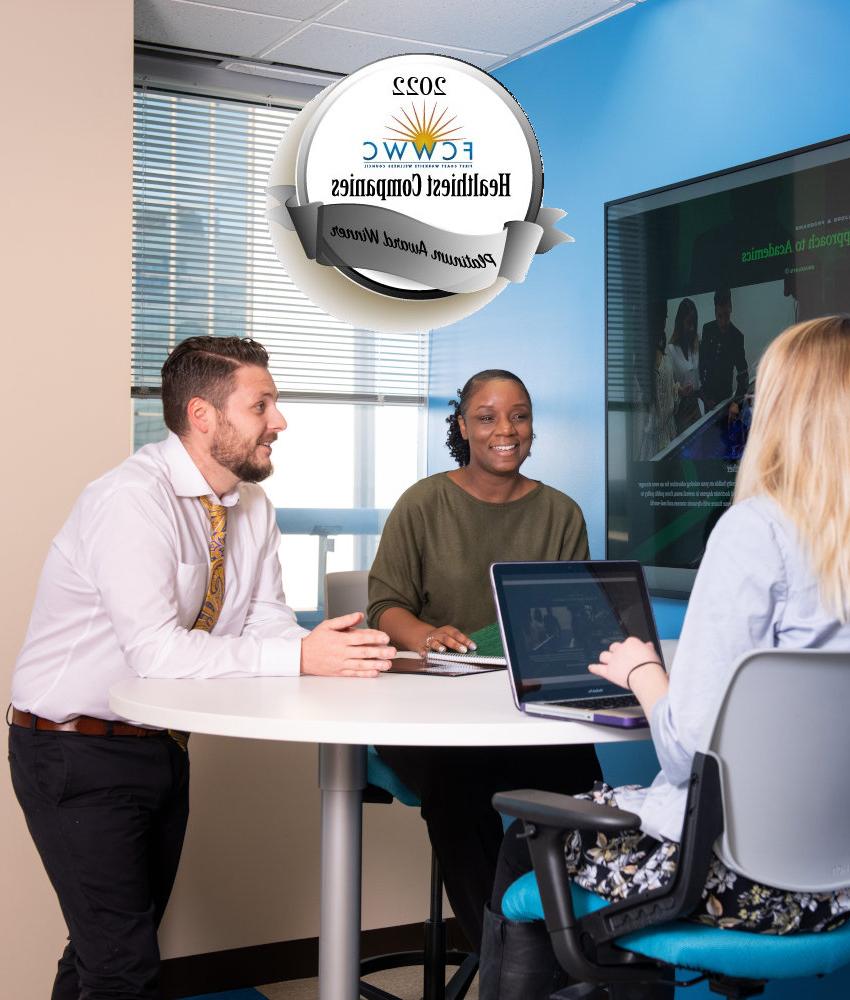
[345, 592]
[768, 794]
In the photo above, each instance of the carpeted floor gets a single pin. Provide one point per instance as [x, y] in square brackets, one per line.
[405, 983]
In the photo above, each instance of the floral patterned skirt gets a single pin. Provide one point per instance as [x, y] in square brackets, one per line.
[632, 862]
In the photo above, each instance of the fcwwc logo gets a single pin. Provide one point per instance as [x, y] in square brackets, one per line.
[418, 136]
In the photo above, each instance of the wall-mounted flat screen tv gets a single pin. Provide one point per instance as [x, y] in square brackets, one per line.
[699, 278]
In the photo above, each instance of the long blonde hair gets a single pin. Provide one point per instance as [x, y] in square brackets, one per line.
[798, 449]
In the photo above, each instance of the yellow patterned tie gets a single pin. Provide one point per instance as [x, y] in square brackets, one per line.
[211, 608]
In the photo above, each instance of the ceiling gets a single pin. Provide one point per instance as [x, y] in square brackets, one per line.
[340, 36]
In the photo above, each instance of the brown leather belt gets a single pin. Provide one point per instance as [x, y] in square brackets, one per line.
[85, 725]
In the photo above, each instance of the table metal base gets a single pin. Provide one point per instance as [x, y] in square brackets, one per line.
[342, 778]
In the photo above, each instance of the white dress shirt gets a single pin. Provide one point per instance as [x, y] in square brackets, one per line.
[685, 369]
[126, 576]
[754, 590]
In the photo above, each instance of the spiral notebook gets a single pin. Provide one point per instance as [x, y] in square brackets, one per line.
[487, 657]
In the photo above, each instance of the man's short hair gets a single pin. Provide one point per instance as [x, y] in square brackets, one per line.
[205, 367]
[723, 297]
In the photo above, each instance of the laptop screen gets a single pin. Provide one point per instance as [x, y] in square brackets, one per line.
[556, 617]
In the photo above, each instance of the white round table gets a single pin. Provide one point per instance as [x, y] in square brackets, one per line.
[344, 716]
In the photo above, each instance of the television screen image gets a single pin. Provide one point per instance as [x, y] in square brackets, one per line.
[700, 277]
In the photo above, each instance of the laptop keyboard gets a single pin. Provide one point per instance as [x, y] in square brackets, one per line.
[612, 701]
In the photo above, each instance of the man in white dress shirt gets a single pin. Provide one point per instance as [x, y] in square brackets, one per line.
[167, 567]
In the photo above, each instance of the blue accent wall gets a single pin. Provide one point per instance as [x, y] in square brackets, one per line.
[666, 91]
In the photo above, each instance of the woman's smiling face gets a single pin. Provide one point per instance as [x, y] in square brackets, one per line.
[497, 425]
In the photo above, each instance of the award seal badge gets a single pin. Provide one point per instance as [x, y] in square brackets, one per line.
[409, 194]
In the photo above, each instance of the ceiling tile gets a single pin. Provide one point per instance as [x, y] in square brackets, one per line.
[343, 51]
[298, 9]
[490, 25]
[198, 26]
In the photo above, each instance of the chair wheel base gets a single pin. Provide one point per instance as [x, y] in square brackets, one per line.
[455, 989]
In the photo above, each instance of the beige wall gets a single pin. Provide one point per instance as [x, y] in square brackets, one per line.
[250, 869]
[65, 301]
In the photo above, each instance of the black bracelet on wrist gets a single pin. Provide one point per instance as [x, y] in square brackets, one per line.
[637, 666]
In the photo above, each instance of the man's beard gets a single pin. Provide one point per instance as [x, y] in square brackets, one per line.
[237, 454]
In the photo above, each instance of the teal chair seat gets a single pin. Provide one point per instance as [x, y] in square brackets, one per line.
[381, 775]
[718, 950]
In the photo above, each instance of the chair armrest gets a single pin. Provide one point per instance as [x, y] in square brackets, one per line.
[564, 812]
[548, 818]
[702, 826]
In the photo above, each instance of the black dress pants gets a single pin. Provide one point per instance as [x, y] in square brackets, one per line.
[455, 786]
[108, 815]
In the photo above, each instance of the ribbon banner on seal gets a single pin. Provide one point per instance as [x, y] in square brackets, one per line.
[378, 239]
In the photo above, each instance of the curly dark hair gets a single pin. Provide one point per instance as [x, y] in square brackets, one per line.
[204, 366]
[458, 448]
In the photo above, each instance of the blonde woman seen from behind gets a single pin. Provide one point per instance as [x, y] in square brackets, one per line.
[775, 574]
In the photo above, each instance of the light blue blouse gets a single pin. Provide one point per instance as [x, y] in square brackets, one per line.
[754, 590]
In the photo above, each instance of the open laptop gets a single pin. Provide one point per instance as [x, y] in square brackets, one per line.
[555, 619]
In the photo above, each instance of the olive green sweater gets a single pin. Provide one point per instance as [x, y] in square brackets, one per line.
[437, 545]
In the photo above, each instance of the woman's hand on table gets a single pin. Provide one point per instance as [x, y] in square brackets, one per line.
[337, 648]
[409, 632]
[636, 666]
[447, 638]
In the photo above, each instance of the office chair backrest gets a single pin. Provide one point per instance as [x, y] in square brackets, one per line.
[782, 738]
[346, 592]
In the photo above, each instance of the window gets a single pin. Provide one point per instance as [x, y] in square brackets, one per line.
[203, 262]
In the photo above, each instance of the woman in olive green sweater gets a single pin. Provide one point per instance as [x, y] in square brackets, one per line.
[429, 588]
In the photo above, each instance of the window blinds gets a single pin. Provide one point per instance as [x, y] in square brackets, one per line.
[203, 261]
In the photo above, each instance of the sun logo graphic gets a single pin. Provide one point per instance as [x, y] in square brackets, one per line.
[418, 135]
